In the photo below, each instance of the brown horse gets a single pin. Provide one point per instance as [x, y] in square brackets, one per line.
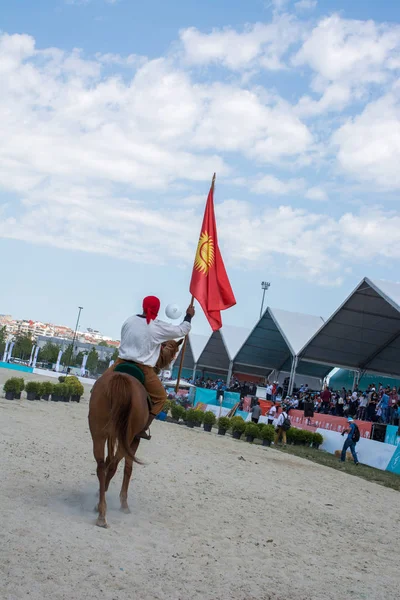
[118, 412]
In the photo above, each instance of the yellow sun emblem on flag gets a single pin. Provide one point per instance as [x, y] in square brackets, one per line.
[205, 254]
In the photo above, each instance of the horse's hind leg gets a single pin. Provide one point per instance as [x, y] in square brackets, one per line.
[98, 451]
[127, 477]
[111, 470]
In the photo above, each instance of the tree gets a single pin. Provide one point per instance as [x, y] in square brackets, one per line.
[23, 346]
[102, 366]
[92, 360]
[3, 339]
[49, 353]
[78, 358]
[103, 343]
[115, 354]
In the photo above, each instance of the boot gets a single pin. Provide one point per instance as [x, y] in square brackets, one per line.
[143, 435]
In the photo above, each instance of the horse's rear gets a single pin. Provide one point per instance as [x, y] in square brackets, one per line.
[118, 411]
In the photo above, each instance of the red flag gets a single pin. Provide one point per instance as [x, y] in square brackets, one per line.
[210, 284]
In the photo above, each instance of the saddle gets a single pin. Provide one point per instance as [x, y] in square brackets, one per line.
[135, 371]
[131, 369]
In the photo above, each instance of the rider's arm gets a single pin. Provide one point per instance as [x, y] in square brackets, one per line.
[165, 331]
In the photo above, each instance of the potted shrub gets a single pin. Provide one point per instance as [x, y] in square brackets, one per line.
[238, 425]
[64, 391]
[317, 440]
[55, 394]
[47, 390]
[177, 412]
[209, 420]
[75, 388]
[190, 417]
[267, 434]
[11, 388]
[21, 387]
[61, 379]
[223, 425]
[31, 389]
[251, 432]
[307, 437]
[199, 417]
[38, 390]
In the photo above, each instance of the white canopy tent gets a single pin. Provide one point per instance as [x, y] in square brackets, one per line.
[363, 334]
[275, 342]
[221, 348]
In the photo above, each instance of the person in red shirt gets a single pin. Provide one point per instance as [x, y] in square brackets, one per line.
[326, 400]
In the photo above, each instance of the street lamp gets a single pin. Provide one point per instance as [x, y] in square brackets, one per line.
[264, 286]
[74, 338]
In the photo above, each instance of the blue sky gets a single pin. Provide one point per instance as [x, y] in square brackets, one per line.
[115, 115]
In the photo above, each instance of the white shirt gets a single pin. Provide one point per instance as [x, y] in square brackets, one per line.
[281, 418]
[141, 342]
[272, 412]
[363, 401]
[269, 390]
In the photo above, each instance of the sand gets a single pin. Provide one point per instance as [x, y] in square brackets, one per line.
[204, 524]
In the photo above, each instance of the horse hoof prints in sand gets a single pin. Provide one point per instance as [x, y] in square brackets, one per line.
[119, 411]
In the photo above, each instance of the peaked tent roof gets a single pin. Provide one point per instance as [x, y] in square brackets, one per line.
[364, 332]
[222, 346]
[276, 338]
[194, 348]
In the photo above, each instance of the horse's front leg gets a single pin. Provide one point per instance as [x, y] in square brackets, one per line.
[98, 451]
[127, 477]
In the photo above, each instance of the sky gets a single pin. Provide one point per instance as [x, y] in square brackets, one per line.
[116, 113]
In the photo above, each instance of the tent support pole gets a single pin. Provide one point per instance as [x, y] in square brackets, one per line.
[292, 375]
[356, 379]
[194, 371]
[228, 377]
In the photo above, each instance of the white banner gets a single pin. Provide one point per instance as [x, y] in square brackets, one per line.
[10, 349]
[6, 351]
[83, 367]
[35, 356]
[58, 361]
[31, 356]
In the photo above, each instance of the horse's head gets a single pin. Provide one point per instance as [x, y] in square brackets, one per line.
[167, 354]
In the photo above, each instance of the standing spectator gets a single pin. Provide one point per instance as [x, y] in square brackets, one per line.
[362, 407]
[384, 405]
[371, 408]
[269, 392]
[326, 400]
[281, 427]
[271, 414]
[256, 412]
[351, 440]
[394, 397]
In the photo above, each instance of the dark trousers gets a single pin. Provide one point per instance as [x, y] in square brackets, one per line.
[349, 444]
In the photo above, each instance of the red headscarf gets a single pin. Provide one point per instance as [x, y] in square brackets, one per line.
[151, 306]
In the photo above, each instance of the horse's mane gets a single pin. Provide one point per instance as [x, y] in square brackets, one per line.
[167, 354]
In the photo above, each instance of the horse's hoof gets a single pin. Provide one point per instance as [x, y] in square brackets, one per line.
[125, 509]
[101, 522]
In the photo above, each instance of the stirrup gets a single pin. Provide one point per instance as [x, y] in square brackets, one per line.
[143, 435]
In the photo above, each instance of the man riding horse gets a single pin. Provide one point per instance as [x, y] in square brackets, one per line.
[142, 337]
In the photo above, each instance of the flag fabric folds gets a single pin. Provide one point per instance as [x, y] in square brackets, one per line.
[210, 284]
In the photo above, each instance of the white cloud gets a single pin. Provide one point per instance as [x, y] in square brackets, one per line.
[261, 45]
[316, 193]
[338, 49]
[306, 5]
[369, 144]
[269, 184]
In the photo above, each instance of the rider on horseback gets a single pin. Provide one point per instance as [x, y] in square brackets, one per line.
[141, 339]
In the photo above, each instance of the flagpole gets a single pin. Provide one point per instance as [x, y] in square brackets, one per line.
[182, 356]
[185, 340]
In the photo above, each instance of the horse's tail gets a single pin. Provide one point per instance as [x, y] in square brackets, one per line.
[120, 394]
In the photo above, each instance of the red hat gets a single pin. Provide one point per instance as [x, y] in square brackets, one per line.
[151, 306]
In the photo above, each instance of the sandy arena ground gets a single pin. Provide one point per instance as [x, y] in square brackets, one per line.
[204, 524]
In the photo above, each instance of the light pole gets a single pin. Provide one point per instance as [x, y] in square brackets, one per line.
[264, 286]
[74, 338]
